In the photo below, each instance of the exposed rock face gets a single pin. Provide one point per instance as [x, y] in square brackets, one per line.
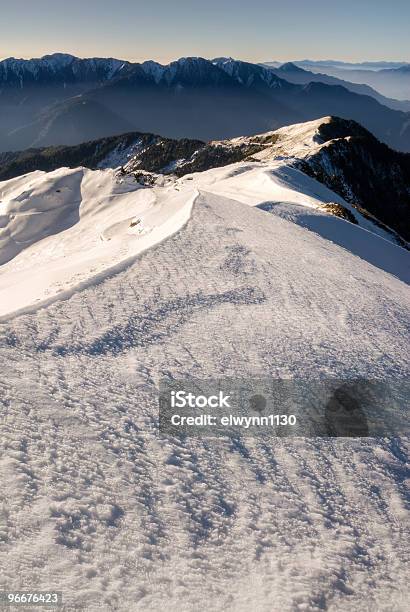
[339, 211]
[364, 172]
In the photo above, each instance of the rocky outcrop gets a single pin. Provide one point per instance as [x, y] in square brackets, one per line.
[365, 172]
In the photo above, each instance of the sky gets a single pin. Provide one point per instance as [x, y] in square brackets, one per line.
[164, 30]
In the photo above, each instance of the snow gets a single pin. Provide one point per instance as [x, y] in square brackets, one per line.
[101, 507]
[56, 62]
[61, 228]
[278, 181]
[117, 156]
[154, 69]
[293, 141]
[233, 68]
[366, 245]
[21, 67]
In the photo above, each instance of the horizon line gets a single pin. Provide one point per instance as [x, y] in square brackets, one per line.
[162, 61]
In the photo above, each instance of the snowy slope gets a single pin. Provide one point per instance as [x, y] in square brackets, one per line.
[338, 153]
[60, 229]
[278, 181]
[292, 140]
[63, 228]
[96, 504]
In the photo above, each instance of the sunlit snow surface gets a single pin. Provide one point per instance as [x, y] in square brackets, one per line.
[62, 229]
[95, 503]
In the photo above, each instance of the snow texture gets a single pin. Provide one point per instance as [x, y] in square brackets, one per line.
[256, 282]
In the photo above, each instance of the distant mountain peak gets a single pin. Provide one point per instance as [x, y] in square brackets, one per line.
[247, 73]
[291, 67]
[190, 59]
[222, 60]
[61, 58]
[154, 69]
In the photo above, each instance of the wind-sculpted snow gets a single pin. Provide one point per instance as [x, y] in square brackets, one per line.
[380, 253]
[98, 505]
[59, 230]
[168, 316]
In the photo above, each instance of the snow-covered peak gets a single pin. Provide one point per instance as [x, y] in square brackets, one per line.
[190, 60]
[58, 59]
[300, 139]
[58, 68]
[227, 64]
[246, 73]
[192, 71]
[53, 62]
[190, 64]
[297, 140]
[222, 60]
[154, 69]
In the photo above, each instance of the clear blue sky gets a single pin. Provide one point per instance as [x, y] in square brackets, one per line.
[254, 30]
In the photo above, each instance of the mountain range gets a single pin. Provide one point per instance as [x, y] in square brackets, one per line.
[391, 79]
[61, 99]
[341, 65]
[296, 74]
